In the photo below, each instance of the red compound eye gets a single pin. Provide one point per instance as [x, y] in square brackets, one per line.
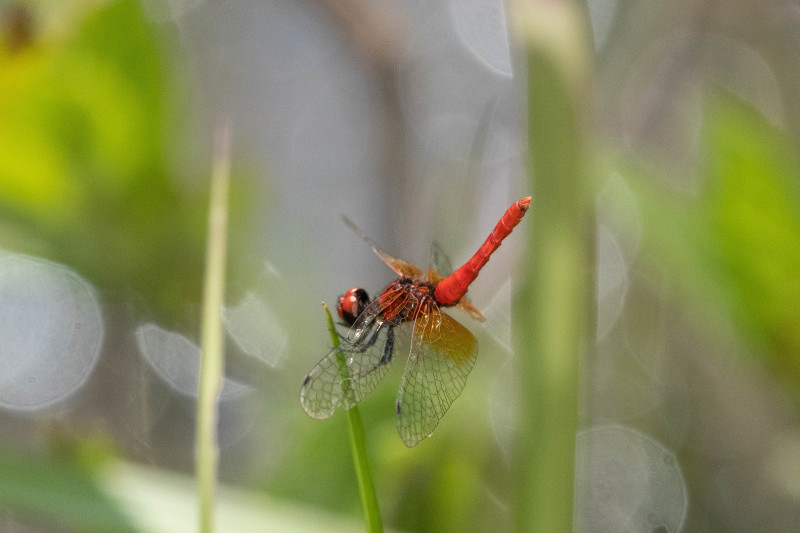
[351, 304]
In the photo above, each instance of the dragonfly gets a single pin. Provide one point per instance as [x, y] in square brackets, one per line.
[442, 351]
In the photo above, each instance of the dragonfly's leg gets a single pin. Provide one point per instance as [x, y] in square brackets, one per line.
[388, 348]
[367, 342]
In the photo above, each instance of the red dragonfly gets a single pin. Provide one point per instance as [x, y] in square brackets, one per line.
[442, 350]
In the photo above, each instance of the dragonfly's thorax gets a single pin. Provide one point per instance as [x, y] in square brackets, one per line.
[405, 299]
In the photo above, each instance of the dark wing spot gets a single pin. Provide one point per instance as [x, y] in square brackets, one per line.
[305, 381]
[398, 408]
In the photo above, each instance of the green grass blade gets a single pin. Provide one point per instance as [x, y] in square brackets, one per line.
[358, 447]
[555, 305]
[212, 363]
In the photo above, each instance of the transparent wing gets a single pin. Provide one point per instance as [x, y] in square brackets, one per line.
[465, 305]
[354, 368]
[440, 262]
[402, 268]
[442, 354]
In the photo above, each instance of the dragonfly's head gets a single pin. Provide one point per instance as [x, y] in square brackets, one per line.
[351, 304]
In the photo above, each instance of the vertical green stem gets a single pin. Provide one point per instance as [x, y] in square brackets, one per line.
[212, 362]
[358, 447]
[555, 305]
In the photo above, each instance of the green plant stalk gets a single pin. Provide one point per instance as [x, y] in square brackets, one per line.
[358, 448]
[212, 361]
[556, 304]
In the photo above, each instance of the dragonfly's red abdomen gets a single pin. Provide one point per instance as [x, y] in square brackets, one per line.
[451, 289]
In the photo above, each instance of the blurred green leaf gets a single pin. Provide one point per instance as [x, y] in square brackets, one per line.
[160, 501]
[752, 205]
[734, 248]
[57, 492]
[83, 179]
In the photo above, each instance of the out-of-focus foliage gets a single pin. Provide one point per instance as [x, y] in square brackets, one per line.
[83, 178]
[63, 492]
[753, 211]
[733, 247]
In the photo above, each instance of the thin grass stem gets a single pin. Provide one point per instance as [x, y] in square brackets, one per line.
[212, 362]
[358, 448]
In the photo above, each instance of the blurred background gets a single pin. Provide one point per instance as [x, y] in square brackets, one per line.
[410, 118]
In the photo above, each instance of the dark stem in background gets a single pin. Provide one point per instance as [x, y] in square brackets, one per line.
[377, 34]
